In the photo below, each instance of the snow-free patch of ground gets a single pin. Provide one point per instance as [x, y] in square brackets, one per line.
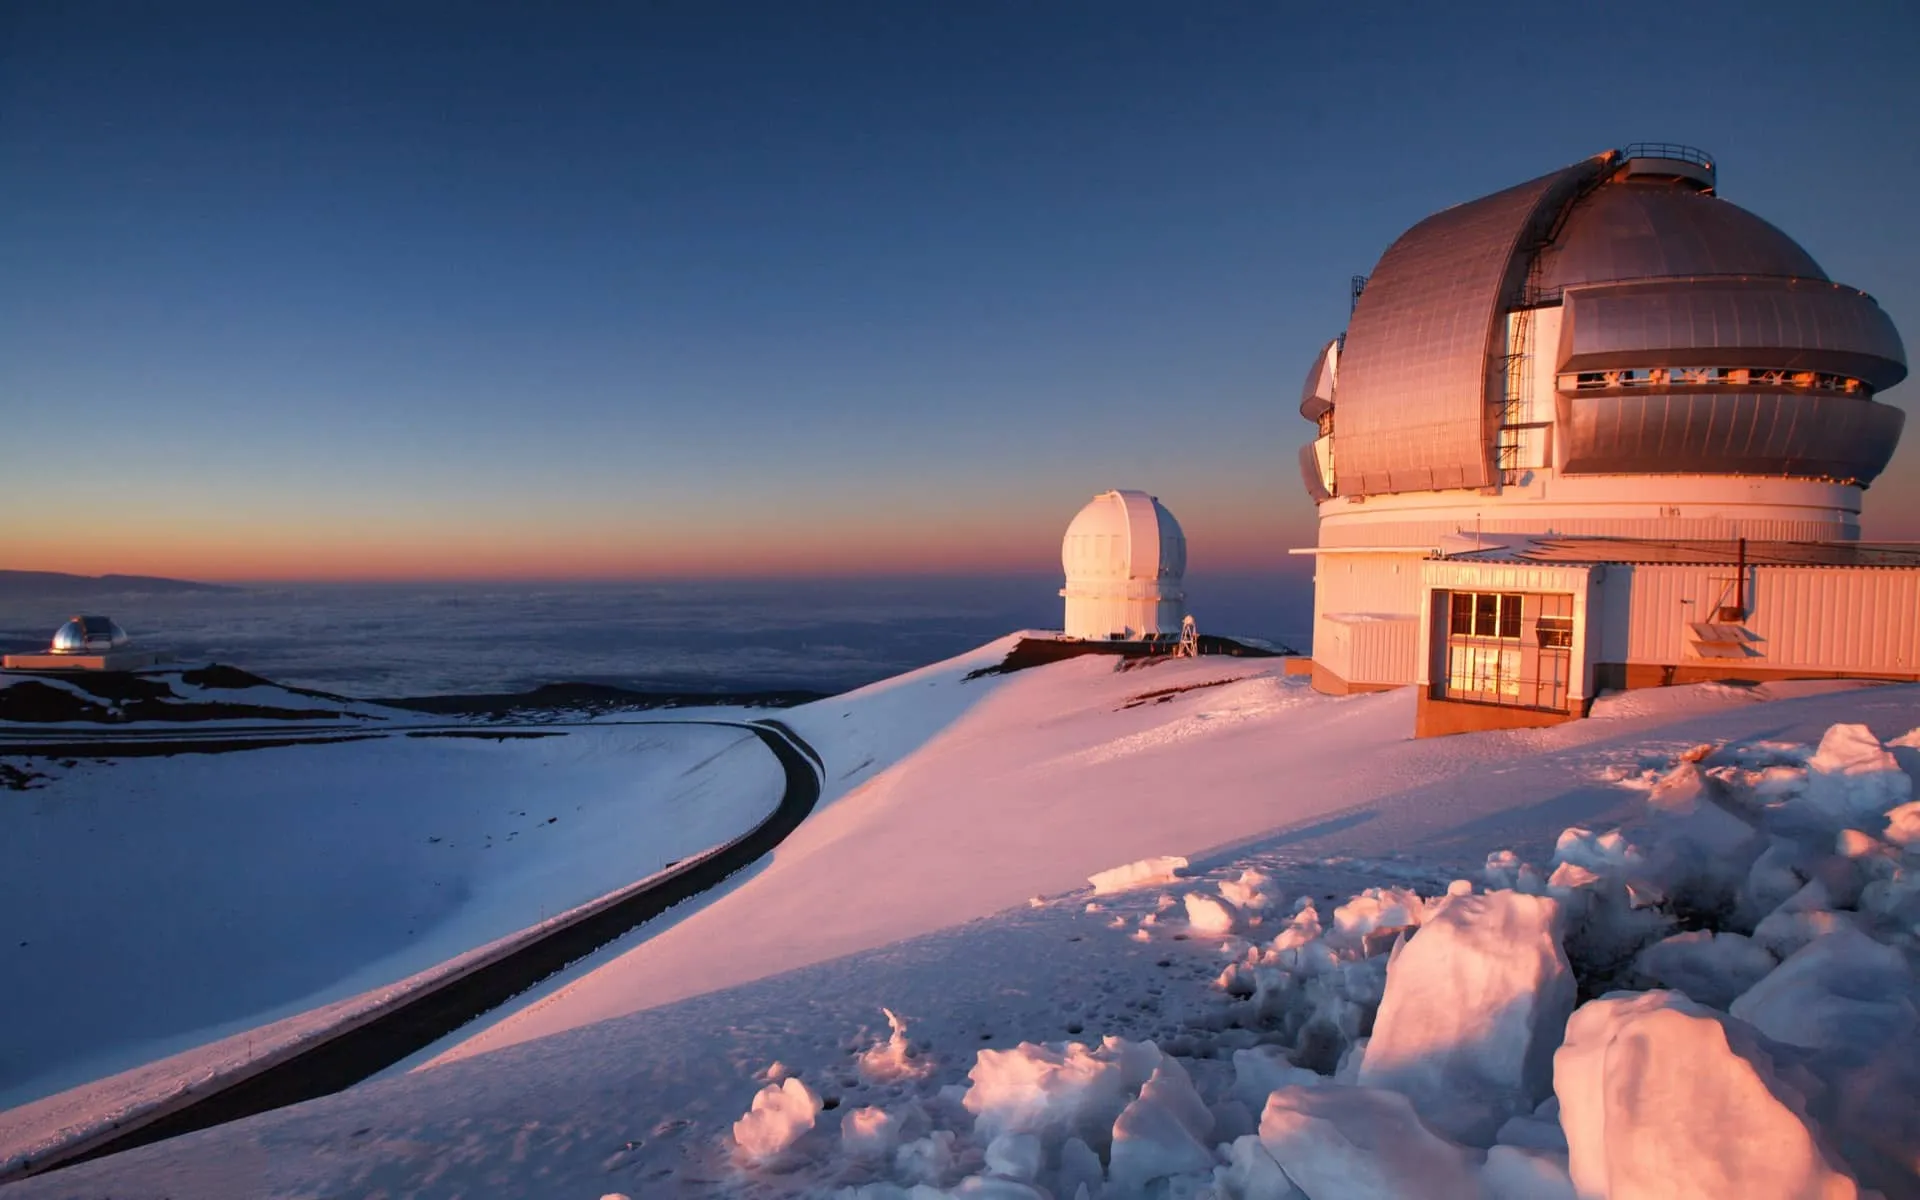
[963, 1015]
[150, 905]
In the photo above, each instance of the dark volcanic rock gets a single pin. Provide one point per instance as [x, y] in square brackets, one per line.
[595, 698]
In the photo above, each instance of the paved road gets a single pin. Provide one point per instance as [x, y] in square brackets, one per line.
[422, 1018]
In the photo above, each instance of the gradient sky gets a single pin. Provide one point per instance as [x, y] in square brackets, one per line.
[411, 290]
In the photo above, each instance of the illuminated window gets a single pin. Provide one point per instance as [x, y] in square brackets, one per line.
[1508, 648]
[1486, 614]
[1771, 379]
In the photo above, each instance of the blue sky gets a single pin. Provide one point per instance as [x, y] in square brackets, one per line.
[377, 290]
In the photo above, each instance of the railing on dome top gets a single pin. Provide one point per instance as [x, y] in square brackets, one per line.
[1673, 150]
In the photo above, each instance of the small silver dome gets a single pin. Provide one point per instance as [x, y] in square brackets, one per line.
[89, 635]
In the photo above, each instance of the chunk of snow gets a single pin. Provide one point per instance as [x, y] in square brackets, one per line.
[1505, 871]
[1568, 876]
[1661, 1096]
[1606, 923]
[1348, 1069]
[1709, 967]
[1207, 915]
[1841, 987]
[1533, 1132]
[1806, 915]
[1079, 1168]
[1260, 1071]
[1015, 1155]
[1852, 776]
[1607, 853]
[1903, 825]
[1781, 869]
[1146, 872]
[994, 1187]
[926, 1160]
[1519, 1173]
[781, 1113]
[1376, 909]
[892, 1060]
[1302, 928]
[1473, 1011]
[868, 1132]
[1056, 1089]
[1253, 891]
[1163, 1132]
[1251, 1174]
[1698, 853]
[1360, 1143]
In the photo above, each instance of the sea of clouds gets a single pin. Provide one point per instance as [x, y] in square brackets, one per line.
[728, 636]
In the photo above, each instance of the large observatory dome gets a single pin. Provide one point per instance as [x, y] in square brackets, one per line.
[1613, 318]
[1124, 557]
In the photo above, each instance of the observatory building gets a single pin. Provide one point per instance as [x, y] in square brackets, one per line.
[1124, 556]
[86, 643]
[1602, 429]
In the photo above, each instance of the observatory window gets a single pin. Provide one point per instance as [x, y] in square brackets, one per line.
[1553, 621]
[1766, 379]
[1486, 614]
[1487, 661]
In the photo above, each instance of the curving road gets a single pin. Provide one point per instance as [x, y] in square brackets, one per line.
[420, 1018]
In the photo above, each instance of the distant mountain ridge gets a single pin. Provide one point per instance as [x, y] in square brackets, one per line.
[28, 585]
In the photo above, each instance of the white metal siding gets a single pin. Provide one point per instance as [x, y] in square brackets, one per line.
[1374, 585]
[1802, 618]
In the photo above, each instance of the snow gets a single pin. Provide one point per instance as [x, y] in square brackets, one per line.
[1852, 775]
[1805, 915]
[1065, 1089]
[1147, 872]
[1132, 1046]
[1710, 967]
[891, 1060]
[1474, 1008]
[1164, 1132]
[868, 1132]
[1210, 915]
[1362, 1143]
[1377, 909]
[781, 1113]
[1518, 1173]
[1663, 1097]
[1841, 987]
[1253, 892]
[323, 880]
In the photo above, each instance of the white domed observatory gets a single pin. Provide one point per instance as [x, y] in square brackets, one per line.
[1124, 556]
[1602, 429]
[86, 643]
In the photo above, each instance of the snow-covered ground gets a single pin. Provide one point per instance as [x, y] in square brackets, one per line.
[152, 905]
[1359, 986]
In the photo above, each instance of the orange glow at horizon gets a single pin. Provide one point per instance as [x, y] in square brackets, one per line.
[243, 552]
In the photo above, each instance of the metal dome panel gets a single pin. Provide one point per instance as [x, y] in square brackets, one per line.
[1742, 433]
[1800, 325]
[1316, 394]
[1645, 231]
[1310, 475]
[1124, 535]
[1414, 410]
